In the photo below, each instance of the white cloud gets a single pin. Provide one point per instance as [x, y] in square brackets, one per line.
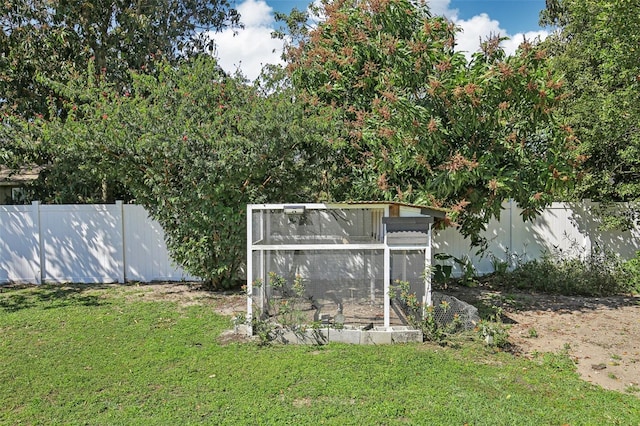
[255, 13]
[478, 28]
[441, 8]
[251, 48]
[510, 46]
[475, 29]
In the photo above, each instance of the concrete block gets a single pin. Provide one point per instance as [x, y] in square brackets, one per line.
[307, 337]
[344, 335]
[375, 337]
[405, 335]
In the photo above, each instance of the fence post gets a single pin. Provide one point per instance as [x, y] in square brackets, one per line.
[35, 212]
[510, 250]
[122, 276]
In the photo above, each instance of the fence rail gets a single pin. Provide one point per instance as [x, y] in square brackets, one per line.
[119, 242]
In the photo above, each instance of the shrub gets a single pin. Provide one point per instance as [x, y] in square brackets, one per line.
[599, 273]
[631, 270]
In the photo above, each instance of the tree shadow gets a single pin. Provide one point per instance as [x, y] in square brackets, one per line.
[498, 302]
[14, 298]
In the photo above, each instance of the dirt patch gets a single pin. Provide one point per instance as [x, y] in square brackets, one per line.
[186, 294]
[601, 335]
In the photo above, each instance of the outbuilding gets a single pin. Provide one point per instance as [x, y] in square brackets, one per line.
[336, 264]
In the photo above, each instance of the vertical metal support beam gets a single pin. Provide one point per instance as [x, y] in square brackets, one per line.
[387, 278]
[249, 271]
[265, 259]
[404, 265]
[265, 235]
[372, 274]
[427, 270]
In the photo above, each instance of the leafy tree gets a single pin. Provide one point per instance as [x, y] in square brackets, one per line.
[55, 39]
[423, 125]
[597, 48]
[193, 146]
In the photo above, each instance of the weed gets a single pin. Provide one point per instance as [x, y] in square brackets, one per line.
[469, 273]
[532, 333]
[598, 272]
[632, 388]
[424, 318]
[560, 361]
[499, 266]
[443, 272]
[493, 333]
[283, 310]
[631, 271]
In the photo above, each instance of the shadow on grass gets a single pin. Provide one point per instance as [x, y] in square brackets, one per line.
[14, 298]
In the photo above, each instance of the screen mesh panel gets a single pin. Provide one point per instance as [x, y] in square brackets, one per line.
[334, 226]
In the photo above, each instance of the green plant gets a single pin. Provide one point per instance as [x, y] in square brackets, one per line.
[442, 272]
[431, 330]
[492, 330]
[285, 309]
[560, 361]
[493, 333]
[631, 270]
[424, 318]
[193, 154]
[532, 333]
[499, 266]
[468, 271]
[369, 60]
[598, 272]
[632, 388]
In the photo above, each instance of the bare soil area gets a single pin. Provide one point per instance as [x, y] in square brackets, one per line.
[601, 335]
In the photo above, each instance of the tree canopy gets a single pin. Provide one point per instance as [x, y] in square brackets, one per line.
[596, 46]
[56, 39]
[192, 145]
[422, 124]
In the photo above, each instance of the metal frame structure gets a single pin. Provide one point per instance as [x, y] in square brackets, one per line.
[393, 220]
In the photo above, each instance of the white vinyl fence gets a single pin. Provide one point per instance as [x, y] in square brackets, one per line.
[568, 229]
[82, 243]
[119, 242]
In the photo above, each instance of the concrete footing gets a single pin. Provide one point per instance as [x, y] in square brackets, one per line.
[356, 336]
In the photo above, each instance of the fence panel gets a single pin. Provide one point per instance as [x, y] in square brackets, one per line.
[82, 243]
[19, 244]
[146, 253]
[569, 229]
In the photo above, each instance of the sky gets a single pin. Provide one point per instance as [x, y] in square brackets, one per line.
[252, 47]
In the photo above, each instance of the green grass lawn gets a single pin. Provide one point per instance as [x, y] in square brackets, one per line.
[102, 356]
